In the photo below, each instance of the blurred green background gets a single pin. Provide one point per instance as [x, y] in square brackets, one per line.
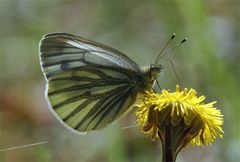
[209, 62]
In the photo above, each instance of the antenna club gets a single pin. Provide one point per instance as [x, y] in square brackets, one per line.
[184, 40]
[173, 36]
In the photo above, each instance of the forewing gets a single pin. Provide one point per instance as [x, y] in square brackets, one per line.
[89, 84]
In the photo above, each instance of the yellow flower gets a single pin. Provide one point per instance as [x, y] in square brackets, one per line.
[179, 118]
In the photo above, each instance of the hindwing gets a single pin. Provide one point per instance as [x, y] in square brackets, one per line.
[88, 84]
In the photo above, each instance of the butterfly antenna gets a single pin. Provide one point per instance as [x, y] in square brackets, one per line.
[184, 40]
[166, 45]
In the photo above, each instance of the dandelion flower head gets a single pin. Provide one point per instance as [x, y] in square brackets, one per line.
[180, 114]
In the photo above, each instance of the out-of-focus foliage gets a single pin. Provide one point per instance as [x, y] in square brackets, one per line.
[208, 62]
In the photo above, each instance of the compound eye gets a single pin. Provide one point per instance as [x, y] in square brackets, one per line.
[152, 66]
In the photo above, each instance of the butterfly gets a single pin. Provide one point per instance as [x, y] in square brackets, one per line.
[90, 85]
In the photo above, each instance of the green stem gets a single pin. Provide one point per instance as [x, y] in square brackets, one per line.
[168, 152]
[167, 155]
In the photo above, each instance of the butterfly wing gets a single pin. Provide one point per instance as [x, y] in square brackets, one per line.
[88, 84]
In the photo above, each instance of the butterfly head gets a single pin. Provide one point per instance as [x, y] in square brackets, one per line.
[154, 70]
[156, 67]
